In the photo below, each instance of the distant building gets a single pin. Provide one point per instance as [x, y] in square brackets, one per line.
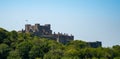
[95, 44]
[46, 32]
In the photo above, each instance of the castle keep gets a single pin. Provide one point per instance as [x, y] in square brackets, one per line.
[46, 32]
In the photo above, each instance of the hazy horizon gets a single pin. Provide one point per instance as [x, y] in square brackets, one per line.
[87, 20]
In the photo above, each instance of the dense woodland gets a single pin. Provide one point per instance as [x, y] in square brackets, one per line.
[14, 45]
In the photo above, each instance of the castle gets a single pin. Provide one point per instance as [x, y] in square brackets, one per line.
[46, 32]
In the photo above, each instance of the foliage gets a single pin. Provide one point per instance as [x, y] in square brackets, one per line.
[15, 45]
[4, 49]
[14, 55]
[3, 34]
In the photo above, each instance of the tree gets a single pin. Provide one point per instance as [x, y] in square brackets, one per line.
[116, 50]
[71, 53]
[54, 54]
[35, 52]
[108, 53]
[79, 44]
[14, 55]
[13, 36]
[4, 49]
[24, 48]
[3, 34]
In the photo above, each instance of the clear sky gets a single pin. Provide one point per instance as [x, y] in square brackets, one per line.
[87, 20]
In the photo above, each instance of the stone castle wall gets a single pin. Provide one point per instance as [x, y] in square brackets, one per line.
[45, 31]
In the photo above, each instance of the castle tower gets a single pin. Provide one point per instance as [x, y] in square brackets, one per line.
[48, 29]
[48, 26]
[37, 26]
[27, 27]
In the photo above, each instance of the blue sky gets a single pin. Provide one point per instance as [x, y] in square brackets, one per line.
[87, 20]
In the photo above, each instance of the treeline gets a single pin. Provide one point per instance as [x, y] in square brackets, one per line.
[14, 45]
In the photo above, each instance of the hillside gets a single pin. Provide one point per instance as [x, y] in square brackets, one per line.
[14, 45]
